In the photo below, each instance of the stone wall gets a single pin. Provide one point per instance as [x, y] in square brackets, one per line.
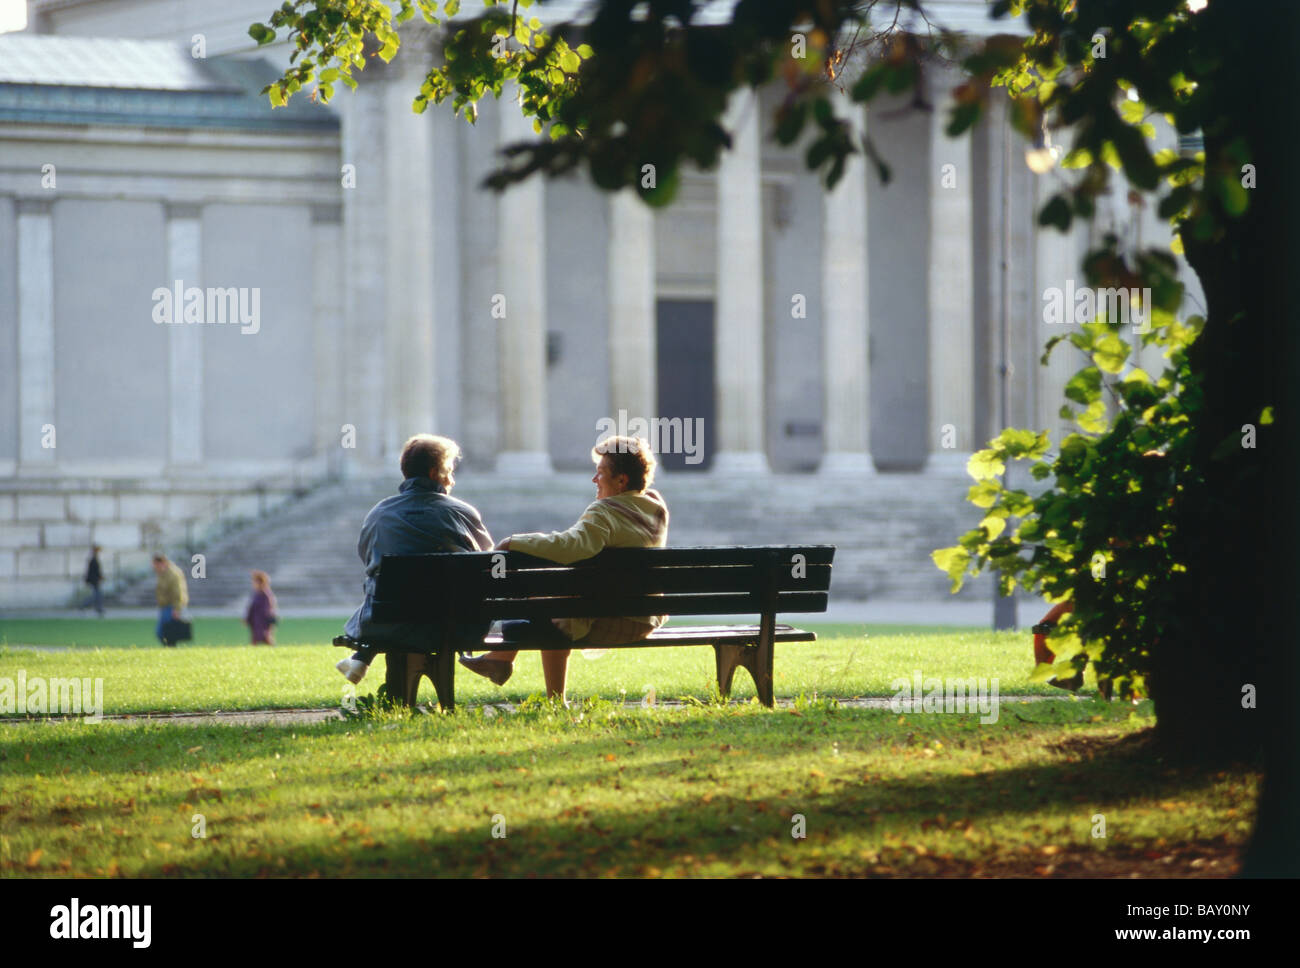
[47, 527]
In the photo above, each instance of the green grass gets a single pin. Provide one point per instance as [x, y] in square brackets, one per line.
[601, 788]
[845, 662]
[607, 790]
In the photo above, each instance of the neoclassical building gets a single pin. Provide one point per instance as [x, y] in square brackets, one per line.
[202, 300]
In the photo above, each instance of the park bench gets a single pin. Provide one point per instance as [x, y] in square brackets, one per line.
[446, 591]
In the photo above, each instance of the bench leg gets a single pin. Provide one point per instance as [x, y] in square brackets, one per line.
[727, 659]
[402, 675]
[761, 670]
[443, 674]
[395, 675]
[758, 661]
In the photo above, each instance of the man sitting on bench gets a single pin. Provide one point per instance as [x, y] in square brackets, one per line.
[422, 518]
[625, 514]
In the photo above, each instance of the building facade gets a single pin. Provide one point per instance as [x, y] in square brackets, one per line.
[348, 283]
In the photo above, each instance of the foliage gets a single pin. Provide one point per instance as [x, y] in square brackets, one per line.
[333, 38]
[1104, 533]
[650, 82]
[1114, 531]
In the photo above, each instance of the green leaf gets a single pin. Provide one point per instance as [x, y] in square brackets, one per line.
[261, 33]
[963, 117]
[984, 494]
[1094, 419]
[1139, 166]
[985, 464]
[1132, 111]
[869, 84]
[1077, 158]
[1110, 352]
[1085, 386]
[1056, 213]
[953, 561]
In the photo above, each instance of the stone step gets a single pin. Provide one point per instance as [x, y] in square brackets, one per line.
[884, 529]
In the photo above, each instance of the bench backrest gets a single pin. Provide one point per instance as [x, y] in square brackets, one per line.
[618, 581]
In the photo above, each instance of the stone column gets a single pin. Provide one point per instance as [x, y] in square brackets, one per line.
[521, 275]
[738, 331]
[1058, 264]
[35, 335]
[846, 323]
[951, 273]
[631, 307]
[327, 333]
[1013, 309]
[365, 282]
[446, 278]
[408, 186]
[184, 343]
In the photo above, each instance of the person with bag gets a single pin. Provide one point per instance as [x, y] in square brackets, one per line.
[261, 615]
[172, 595]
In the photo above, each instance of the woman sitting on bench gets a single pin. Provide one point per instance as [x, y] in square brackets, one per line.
[625, 514]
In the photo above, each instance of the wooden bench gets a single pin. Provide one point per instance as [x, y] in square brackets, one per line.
[443, 591]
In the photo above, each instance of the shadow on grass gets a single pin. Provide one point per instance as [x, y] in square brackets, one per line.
[710, 793]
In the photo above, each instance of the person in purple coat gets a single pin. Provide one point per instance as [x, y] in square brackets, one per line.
[261, 617]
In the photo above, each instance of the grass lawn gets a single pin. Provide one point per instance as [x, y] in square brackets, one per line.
[221, 673]
[601, 788]
[607, 790]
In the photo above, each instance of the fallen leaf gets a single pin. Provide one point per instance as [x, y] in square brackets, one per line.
[34, 857]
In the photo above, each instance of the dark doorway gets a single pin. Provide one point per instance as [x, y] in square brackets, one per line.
[684, 363]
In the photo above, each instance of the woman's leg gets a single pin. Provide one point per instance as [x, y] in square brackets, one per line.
[555, 668]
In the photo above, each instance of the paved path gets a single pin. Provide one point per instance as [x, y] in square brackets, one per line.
[288, 717]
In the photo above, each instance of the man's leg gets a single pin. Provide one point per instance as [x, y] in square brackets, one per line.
[164, 616]
[98, 597]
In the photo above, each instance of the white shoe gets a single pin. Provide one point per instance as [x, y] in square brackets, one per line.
[353, 670]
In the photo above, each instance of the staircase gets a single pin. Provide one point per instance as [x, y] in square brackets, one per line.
[883, 527]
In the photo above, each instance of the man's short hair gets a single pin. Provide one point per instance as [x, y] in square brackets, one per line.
[428, 452]
[159, 556]
[628, 455]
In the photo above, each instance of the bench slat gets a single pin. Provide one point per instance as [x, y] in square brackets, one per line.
[404, 578]
[745, 635]
[748, 603]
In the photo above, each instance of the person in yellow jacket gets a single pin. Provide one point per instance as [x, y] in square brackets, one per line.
[172, 594]
[625, 514]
